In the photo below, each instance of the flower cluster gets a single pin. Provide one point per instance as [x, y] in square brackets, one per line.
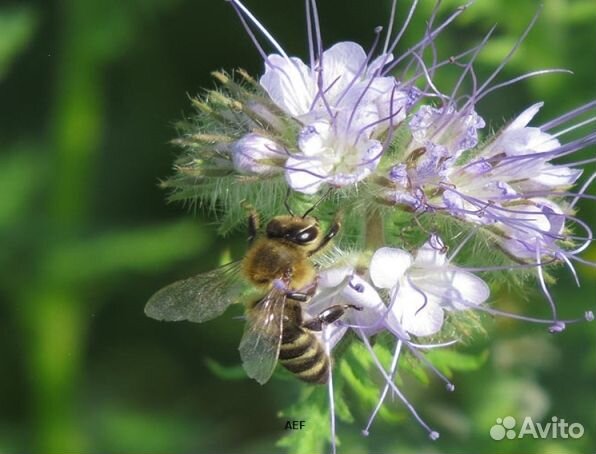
[414, 172]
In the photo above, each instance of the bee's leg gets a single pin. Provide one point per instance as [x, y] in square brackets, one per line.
[301, 297]
[305, 293]
[329, 315]
[253, 221]
[331, 232]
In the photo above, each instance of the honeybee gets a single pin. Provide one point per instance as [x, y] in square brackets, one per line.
[278, 264]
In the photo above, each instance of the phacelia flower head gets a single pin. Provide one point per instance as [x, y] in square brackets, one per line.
[435, 206]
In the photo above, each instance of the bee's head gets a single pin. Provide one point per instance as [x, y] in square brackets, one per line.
[302, 231]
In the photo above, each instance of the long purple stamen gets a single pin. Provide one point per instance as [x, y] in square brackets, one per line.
[363, 66]
[448, 384]
[433, 435]
[583, 189]
[392, 372]
[309, 32]
[568, 116]
[547, 294]
[506, 60]
[403, 29]
[317, 24]
[470, 64]
[520, 78]
[390, 25]
[261, 28]
[326, 341]
[431, 36]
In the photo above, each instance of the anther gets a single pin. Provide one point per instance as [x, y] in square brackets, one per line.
[450, 387]
[557, 327]
[434, 435]
[358, 287]
[589, 315]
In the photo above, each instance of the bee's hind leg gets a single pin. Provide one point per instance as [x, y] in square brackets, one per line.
[329, 315]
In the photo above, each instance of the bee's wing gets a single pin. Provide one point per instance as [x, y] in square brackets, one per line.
[259, 347]
[199, 298]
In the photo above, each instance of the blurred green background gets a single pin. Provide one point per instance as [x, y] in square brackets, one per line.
[89, 91]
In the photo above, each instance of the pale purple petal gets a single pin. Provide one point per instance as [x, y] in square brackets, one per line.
[341, 63]
[525, 117]
[255, 154]
[455, 289]
[305, 175]
[313, 138]
[290, 84]
[557, 176]
[432, 254]
[418, 314]
[388, 266]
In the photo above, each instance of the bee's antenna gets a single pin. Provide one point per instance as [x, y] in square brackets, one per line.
[286, 202]
[317, 203]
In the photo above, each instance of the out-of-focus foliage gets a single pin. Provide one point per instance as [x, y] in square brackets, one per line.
[17, 25]
[89, 92]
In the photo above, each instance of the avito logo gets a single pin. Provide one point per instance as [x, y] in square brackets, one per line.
[556, 428]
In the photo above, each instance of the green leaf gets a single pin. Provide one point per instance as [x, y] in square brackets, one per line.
[17, 26]
[141, 250]
[449, 360]
[20, 176]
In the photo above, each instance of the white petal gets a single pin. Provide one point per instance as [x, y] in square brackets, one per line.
[371, 318]
[361, 293]
[313, 138]
[525, 117]
[431, 254]
[557, 176]
[375, 66]
[341, 63]
[527, 141]
[305, 175]
[396, 113]
[455, 289]
[419, 316]
[334, 276]
[350, 289]
[394, 326]
[388, 265]
[290, 84]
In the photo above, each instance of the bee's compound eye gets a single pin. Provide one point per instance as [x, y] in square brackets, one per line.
[307, 235]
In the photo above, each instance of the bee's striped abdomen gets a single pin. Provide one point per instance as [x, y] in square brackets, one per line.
[303, 355]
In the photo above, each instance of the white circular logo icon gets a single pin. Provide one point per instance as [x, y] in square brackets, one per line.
[503, 428]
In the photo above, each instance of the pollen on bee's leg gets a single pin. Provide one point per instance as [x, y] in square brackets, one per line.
[279, 284]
